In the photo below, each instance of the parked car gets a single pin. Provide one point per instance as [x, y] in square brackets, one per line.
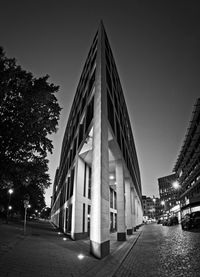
[190, 221]
[173, 220]
[195, 219]
[165, 222]
[185, 222]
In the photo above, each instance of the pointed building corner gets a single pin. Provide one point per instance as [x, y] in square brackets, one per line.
[101, 26]
[97, 188]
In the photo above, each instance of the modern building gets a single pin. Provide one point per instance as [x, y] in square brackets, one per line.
[168, 191]
[97, 187]
[187, 165]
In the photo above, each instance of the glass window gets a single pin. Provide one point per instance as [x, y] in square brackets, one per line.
[83, 217]
[72, 183]
[111, 198]
[84, 184]
[89, 182]
[89, 113]
[110, 112]
[108, 79]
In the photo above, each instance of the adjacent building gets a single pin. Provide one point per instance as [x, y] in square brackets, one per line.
[152, 207]
[97, 187]
[187, 165]
[168, 191]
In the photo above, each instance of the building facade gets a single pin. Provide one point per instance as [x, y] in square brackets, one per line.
[97, 187]
[188, 165]
[151, 207]
[168, 192]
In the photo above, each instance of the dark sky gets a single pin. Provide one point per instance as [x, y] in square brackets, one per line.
[156, 46]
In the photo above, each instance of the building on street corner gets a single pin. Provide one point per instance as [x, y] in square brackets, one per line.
[97, 187]
[188, 165]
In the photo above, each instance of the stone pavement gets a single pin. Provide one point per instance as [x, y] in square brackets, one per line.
[45, 252]
[163, 251]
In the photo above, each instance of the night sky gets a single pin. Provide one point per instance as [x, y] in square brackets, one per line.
[156, 46]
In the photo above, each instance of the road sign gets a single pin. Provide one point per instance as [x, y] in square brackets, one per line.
[26, 203]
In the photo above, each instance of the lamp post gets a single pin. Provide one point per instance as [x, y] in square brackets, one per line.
[154, 208]
[163, 204]
[177, 188]
[163, 208]
[26, 205]
[10, 192]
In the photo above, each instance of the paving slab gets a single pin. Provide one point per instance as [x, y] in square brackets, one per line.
[45, 252]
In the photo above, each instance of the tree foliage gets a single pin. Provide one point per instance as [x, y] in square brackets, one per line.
[29, 112]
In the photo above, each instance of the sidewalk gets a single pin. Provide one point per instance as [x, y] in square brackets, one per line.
[45, 252]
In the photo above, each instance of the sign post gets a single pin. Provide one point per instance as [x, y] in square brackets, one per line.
[26, 203]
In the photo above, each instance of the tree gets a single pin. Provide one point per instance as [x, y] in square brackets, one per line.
[29, 112]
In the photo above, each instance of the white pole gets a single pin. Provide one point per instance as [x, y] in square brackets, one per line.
[25, 221]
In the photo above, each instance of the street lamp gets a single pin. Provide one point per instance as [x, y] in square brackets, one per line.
[163, 203]
[162, 208]
[10, 192]
[176, 185]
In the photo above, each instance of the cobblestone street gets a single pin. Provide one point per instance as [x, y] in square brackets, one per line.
[163, 251]
[154, 250]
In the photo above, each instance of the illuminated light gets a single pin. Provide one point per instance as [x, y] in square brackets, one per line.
[111, 177]
[10, 191]
[64, 238]
[115, 183]
[175, 185]
[163, 203]
[59, 233]
[29, 206]
[80, 256]
[10, 208]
